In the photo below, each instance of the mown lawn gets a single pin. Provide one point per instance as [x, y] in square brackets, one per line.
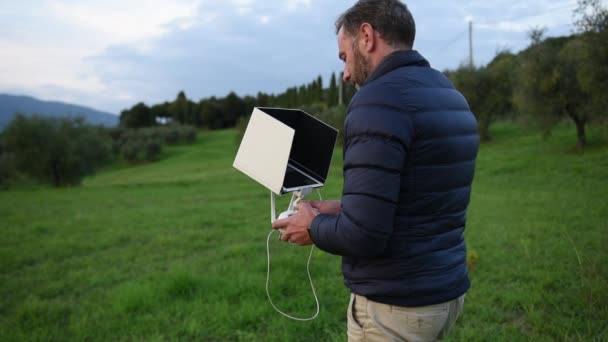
[176, 250]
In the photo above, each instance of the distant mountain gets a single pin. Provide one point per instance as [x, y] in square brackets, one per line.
[11, 104]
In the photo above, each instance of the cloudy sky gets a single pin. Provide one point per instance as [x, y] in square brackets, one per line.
[112, 54]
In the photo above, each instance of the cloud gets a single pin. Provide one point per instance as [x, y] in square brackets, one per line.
[118, 21]
[265, 19]
[506, 26]
[37, 68]
[294, 5]
[49, 56]
[116, 53]
[243, 7]
[245, 54]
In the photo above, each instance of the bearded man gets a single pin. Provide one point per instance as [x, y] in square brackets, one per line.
[410, 144]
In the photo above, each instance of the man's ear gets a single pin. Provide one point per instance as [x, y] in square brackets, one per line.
[368, 37]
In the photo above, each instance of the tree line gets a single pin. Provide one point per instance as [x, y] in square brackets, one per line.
[218, 113]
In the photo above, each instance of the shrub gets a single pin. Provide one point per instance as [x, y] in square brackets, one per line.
[139, 145]
[60, 151]
[129, 151]
[189, 134]
[178, 134]
[152, 149]
[7, 167]
[170, 135]
[147, 143]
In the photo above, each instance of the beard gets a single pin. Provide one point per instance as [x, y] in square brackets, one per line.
[361, 69]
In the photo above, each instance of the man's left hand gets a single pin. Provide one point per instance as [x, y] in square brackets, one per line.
[296, 226]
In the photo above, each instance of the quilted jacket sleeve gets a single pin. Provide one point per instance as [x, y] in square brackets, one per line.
[376, 142]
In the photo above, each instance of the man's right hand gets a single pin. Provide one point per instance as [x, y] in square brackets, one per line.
[327, 207]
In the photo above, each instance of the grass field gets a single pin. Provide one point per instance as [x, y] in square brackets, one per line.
[176, 250]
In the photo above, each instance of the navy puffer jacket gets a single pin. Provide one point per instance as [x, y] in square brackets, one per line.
[409, 159]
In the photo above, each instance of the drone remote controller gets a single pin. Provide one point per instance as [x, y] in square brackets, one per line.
[296, 197]
[284, 215]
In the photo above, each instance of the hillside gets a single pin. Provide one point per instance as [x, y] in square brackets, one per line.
[176, 250]
[11, 104]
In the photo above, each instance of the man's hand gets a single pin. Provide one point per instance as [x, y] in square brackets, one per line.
[327, 207]
[296, 226]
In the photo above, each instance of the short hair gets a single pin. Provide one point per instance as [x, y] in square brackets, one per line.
[391, 18]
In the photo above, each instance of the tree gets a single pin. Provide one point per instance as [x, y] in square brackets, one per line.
[499, 100]
[573, 98]
[319, 90]
[292, 97]
[214, 114]
[591, 22]
[181, 109]
[249, 102]
[332, 92]
[263, 100]
[138, 116]
[234, 107]
[590, 16]
[348, 91]
[550, 84]
[536, 35]
[161, 112]
[534, 93]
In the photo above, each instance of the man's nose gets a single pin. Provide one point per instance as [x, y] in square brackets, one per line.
[346, 76]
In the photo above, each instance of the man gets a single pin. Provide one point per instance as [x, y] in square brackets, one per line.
[410, 143]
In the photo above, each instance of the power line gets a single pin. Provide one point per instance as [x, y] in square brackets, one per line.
[458, 37]
[453, 40]
[463, 33]
[538, 14]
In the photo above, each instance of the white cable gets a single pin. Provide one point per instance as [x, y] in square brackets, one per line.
[312, 286]
[309, 278]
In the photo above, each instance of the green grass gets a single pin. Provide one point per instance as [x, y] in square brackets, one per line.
[176, 250]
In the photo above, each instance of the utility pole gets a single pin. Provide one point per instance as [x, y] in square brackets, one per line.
[471, 65]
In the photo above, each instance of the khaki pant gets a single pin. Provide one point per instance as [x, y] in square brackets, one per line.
[372, 321]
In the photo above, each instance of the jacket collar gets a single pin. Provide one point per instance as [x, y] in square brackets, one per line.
[396, 60]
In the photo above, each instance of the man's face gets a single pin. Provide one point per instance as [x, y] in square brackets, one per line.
[356, 67]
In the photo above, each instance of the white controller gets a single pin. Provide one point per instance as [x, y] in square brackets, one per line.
[296, 197]
[284, 215]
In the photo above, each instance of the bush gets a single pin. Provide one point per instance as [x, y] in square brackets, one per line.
[129, 151]
[152, 149]
[140, 146]
[8, 170]
[146, 144]
[118, 138]
[178, 134]
[170, 136]
[60, 151]
[189, 134]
